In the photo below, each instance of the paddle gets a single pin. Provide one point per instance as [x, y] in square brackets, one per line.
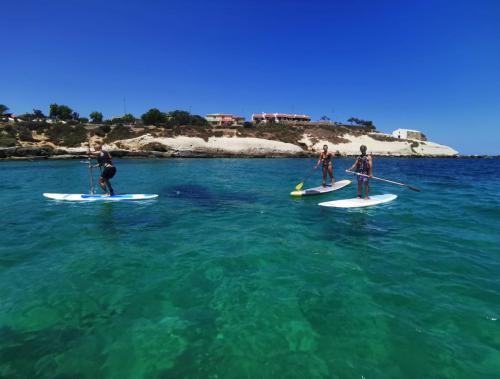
[91, 173]
[385, 180]
[299, 186]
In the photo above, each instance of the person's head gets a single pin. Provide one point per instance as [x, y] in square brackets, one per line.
[362, 148]
[98, 146]
[325, 148]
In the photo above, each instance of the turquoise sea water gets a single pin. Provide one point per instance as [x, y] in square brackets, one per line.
[226, 276]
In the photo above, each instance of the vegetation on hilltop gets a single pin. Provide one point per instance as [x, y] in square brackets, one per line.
[65, 127]
[3, 109]
[171, 119]
[96, 117]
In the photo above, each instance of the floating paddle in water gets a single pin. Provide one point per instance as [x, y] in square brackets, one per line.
[385, 180]
[299, 186]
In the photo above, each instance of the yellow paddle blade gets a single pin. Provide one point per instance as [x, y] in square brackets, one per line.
[299, 186]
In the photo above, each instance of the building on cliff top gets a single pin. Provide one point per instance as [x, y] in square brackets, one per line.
[409, 134]
[221, 119]
[279, 118]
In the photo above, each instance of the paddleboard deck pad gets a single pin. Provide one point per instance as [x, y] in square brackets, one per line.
[357, 202]
[321, 190]
[87, 197]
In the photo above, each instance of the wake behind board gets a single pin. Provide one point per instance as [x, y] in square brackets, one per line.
[87, 197]
[321, 190]
[357, 202]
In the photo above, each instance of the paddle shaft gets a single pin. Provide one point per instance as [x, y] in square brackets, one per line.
[385, 180]
[91, 173]
[298, 187]
[308, 175]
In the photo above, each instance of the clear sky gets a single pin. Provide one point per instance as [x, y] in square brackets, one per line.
[427, 65]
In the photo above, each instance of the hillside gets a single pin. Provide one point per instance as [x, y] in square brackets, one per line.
[71, 140]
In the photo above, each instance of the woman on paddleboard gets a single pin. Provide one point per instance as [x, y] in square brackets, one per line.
[363, 165]
[105, 164]
[325, 159]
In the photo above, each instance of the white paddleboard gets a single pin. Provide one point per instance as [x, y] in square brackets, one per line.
[321, 190]
[86, 197]
[357, 202]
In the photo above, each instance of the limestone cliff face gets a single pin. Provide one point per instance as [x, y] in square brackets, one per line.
[183, 146]
[382, 144]
[262, 147]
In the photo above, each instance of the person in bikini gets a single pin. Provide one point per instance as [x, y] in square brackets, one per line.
[363, 165]
[325, 159]
[108, 170]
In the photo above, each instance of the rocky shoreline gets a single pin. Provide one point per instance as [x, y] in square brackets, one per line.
[46, 141]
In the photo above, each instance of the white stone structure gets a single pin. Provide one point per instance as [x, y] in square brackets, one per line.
[409, 134]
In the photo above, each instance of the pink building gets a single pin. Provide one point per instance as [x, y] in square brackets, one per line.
[221, 119]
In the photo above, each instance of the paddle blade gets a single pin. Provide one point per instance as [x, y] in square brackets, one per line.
[413, 188]
[299, 186]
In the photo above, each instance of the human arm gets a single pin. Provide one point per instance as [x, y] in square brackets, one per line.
[319, 161]
[353, 166]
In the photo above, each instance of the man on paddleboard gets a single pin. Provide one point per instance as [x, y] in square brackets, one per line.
[105, 164]
[363, 165]
[325, 159]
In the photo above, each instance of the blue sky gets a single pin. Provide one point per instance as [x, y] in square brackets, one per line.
[427, 65]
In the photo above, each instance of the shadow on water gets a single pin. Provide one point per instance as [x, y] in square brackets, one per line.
[118, 219]
[205, 197]
[359, 225]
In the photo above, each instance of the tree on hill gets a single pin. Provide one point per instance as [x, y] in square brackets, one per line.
[96, 117]
[153, 117]
[353, 120]
[61, 112]
[3, 109]
[364, 123]
[325, 118]
[128, 118]
[38, 114]
[178, 118]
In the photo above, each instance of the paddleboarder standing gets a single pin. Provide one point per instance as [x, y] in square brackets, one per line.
[325, 159]
[105, 164]
[363, 165]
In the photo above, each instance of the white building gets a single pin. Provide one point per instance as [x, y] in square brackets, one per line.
[279, 118]
[409, 134]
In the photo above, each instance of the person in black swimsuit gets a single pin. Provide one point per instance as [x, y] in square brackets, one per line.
[363, 165]
[325, 159]
[108, 170]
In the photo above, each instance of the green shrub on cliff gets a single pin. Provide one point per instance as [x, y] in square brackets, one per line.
[66, 135]
[6, 141]
[24, 134]
[102, 130]
[383, 137]
[120, 132]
